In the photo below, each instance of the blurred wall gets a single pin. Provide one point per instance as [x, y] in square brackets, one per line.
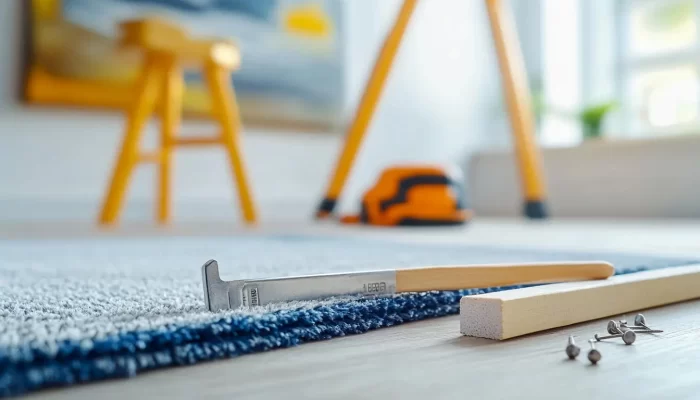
[439, 106]
[443, 93]
[600, 179]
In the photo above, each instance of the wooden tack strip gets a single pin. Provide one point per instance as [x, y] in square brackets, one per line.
[508, 314]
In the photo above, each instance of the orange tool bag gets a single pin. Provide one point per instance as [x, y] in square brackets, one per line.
[414, 196]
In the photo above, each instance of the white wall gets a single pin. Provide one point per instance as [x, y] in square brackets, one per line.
[654, 178]
[438, 107]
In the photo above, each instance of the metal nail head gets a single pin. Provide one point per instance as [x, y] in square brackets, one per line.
[594, 355]
[639, 320]
[572, 351]
[614, 328]
[628, 337]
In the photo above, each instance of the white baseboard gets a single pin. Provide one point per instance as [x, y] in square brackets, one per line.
[657, 178]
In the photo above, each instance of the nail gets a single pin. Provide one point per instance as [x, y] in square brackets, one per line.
[594, 355]
[618, 329]
[628, 337]
[639, 320]
[572, 351]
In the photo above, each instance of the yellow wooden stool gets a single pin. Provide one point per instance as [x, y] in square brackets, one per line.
[167, 48]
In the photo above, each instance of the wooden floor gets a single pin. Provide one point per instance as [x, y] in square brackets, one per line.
[431, 360]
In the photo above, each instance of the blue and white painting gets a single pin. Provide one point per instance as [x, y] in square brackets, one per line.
[291, 50]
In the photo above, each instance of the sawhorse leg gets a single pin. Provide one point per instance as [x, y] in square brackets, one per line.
[517, 94]
[365, 110]
[147, 89]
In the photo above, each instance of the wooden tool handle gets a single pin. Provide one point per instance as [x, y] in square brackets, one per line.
[483, 276]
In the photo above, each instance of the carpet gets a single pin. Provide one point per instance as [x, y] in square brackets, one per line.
[82, 310]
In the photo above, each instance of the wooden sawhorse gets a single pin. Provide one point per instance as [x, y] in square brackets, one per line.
[517, 94]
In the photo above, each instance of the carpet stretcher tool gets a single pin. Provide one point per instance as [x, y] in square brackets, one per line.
[246, 293]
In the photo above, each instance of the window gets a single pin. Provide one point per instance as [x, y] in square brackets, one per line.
[658, 66]
[642, 57]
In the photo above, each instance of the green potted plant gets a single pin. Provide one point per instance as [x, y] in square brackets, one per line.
[592, 118]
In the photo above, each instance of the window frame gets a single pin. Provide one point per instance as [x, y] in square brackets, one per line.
[627, 65]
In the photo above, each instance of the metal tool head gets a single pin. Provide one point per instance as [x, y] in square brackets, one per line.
[216, 291]
[226, 295]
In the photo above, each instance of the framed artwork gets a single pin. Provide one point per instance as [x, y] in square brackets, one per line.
[292, 58]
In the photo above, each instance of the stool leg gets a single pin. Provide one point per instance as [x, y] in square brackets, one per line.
[517, 95]
[170, 121]
[366, 108]
[226, 111]
[147, 90]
